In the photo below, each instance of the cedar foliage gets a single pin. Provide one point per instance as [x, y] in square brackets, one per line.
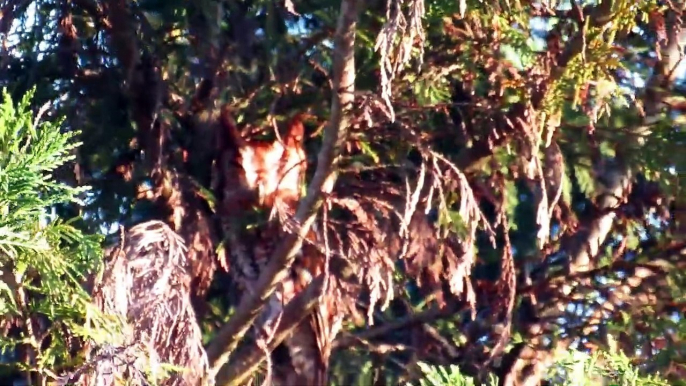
[45, 311]
[509, 187]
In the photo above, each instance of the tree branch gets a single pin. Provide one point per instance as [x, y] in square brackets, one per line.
[428, 316]
[322, 183]
[583, 247]
[472, 159]
[248, 358]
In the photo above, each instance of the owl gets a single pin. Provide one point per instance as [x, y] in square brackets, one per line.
[253, 181]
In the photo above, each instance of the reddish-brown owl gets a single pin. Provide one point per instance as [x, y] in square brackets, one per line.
[253, 181]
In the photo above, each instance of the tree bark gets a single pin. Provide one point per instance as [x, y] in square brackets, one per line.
[249, 357]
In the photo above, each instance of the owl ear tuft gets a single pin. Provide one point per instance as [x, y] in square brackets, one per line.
[295, 132]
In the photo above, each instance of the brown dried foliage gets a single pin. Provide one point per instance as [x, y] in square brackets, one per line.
[147, 286]
[379, 215]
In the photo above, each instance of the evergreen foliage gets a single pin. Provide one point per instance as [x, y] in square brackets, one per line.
[544, 140]
[45, 261]
[573, 369]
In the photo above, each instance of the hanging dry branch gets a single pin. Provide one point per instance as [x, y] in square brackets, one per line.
[147, 286]
[398, 37]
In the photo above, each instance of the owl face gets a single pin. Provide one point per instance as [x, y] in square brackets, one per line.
[272, 170]
[267, 170]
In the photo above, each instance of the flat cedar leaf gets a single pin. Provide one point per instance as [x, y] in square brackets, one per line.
[566, 188]
[517, 337]
[206, 194]
[368, 151]
[365, 375]
[511, 201]
[54, 251]
[584, 178]
[632, 241]
[626, 317]
[458, 226]
[418, 90]
[605, 258]
[607, 149]
[440, 93]
[9, 299]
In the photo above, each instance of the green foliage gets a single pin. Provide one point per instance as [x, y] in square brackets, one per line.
[44, 262]
[448, 376]
[431, 88]
[579, 369]
[573, 369]
[496, 50]
[585, 180]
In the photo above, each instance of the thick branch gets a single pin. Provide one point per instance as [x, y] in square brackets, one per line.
[322, 183]
[247, 359]
[425, 317]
